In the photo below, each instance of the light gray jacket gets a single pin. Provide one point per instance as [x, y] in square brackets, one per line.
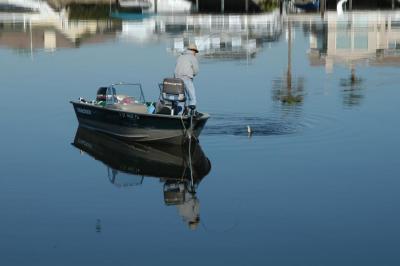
[187, 65]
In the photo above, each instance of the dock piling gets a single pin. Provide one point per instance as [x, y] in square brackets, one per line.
[322, 7]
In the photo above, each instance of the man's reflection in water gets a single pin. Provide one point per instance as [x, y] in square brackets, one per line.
[183, 196]
[179, 169]
[190, 210]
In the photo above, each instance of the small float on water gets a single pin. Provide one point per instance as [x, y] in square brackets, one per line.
[132, 118]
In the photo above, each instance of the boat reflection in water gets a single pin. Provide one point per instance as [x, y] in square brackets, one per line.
[128, 164]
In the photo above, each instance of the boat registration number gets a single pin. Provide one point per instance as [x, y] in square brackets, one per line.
[84, 111]
[131, 116]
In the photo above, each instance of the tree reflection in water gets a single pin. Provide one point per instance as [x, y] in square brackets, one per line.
[352, 89]
[287, 90]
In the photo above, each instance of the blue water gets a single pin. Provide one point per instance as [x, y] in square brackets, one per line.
[315, 184]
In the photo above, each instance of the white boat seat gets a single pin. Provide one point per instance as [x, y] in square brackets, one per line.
[173, 90]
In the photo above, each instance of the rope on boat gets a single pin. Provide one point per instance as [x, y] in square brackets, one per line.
[190, 152]
[188, 132]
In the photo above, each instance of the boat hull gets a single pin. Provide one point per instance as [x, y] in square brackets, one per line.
[307, 6]
[138, 127]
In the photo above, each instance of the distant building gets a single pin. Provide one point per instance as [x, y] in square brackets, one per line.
[372, 37]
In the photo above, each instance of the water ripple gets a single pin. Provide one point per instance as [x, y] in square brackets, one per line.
[260, 126]
[314, 128]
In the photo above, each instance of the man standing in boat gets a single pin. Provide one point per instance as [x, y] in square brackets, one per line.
[187, 67]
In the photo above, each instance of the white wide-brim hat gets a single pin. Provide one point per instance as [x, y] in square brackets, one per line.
[193, 47]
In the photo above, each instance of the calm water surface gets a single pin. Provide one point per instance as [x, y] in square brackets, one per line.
[315, 184]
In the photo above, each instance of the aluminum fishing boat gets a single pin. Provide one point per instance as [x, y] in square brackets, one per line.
[132, 118]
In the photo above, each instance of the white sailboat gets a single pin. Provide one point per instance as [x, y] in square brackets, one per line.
[139, 4]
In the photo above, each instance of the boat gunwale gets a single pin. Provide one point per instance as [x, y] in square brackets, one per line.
[203, 116]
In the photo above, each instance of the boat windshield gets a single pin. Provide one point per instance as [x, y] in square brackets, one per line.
[133, 90]
[123, 179]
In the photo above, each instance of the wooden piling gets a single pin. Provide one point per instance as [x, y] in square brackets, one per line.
[322, 7]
